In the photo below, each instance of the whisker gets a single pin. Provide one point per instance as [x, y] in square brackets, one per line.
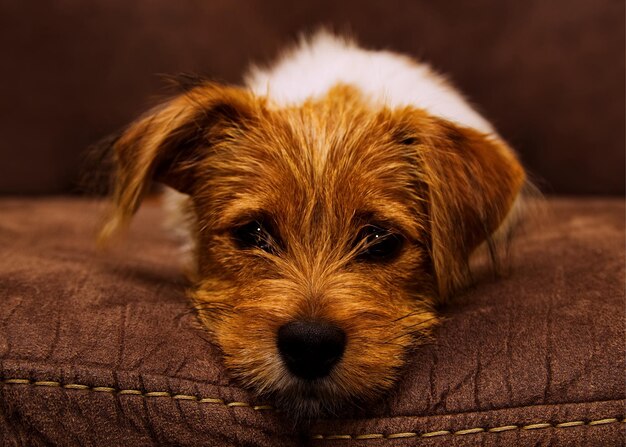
[410, 314]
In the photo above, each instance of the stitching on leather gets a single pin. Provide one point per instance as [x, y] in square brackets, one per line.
[470, 431]
[237, 404]
[132, 392]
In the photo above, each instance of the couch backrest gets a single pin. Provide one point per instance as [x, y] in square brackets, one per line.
[550, 75]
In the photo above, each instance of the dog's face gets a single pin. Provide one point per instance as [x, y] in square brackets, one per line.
[325, 232]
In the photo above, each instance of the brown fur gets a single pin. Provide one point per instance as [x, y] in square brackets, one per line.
[318, 173]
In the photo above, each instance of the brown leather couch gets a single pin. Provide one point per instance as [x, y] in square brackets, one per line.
[103, 348]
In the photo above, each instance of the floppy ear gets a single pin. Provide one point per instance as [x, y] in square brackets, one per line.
[472, 182]
[164, 144]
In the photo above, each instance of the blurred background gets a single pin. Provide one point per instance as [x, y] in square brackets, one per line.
[549, 74]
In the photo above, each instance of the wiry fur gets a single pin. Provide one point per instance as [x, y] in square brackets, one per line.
[319, 169]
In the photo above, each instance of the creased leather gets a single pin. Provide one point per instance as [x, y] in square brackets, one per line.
[543, 345]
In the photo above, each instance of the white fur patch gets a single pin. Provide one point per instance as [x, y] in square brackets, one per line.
[388, 79]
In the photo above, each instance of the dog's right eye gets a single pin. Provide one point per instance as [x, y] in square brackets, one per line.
[254, 234]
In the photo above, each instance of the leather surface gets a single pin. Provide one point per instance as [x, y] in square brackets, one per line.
[102, 348]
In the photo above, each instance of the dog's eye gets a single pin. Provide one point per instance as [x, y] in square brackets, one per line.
[379, 244]
[254, 234]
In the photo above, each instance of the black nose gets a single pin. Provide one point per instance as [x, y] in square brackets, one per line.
[310, 349]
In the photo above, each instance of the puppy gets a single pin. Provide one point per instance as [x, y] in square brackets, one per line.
[329, 206]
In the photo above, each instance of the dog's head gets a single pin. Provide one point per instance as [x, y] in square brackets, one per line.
[325, 232]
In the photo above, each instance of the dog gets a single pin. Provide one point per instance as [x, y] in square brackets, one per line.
[329, 206]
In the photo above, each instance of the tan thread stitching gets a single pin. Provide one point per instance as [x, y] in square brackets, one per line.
[402, 435]
[435, 433]
[470, 431]
[131, 392]
[503, 428]
[370, 436]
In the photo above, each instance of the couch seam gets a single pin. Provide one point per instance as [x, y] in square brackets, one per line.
[356, 437]
[469, 431]
[135, 392]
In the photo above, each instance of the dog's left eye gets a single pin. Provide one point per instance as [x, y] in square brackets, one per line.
[254, 234]
[379, 244]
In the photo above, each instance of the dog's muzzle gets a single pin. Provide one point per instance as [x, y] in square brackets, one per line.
[310, 349]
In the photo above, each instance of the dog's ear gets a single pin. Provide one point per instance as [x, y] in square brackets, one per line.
[471, 181]
[165, 144]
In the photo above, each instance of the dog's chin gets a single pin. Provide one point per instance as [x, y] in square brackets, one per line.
[304, 400]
